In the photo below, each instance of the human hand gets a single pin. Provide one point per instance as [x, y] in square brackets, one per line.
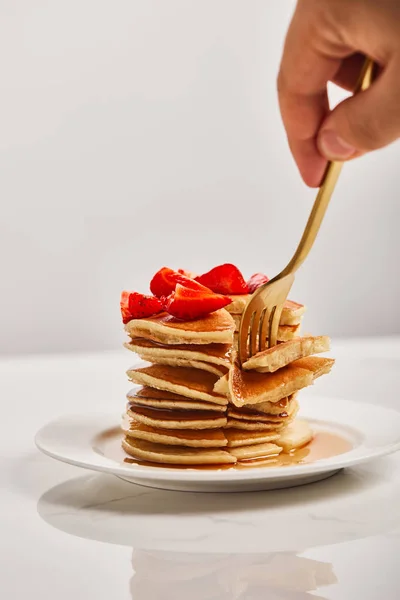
[327, 41]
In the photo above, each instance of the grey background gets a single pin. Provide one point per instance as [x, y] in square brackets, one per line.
[141, 134]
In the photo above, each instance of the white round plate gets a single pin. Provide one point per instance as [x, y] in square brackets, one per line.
[94, 442]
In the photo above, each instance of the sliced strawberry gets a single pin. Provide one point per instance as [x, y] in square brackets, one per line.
[138, 306]
[188, 304]
[165, 280]
[126, 315]
[255, 281]
[224, 279]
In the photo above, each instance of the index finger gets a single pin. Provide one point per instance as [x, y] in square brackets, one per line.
[307, 65]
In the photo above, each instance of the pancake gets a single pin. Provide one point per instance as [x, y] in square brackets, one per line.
[296, 435]
[217, 354]
[279, 356]
[238, 304]
[317, 364]
[246, 414]
[152, 398]
[275, 408]
[204, 438]
[250, 387]
[255, 451]
[193, 364]
[192, 383]
[292, 312]
[217, 327]
[175, 419]
[252, 425]
[268, 419]
[175, 455]
[240, 437]
[285, 332]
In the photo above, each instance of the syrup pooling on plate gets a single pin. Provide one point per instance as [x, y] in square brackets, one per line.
[325, 444]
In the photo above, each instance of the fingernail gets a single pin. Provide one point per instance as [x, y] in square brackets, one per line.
[334, 147]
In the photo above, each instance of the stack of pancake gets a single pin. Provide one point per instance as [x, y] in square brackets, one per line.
[193, 405]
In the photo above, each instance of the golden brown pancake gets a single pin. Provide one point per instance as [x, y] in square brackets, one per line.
[253, 426]
[275, 408]
[296, 435]
[255, 451]
[279, 356]
[246, 414]
[217, 327]
[175, 455]
[152, 398]
[175, 419]
[238, 304]
[194, 438]
[317, 364]
[241, 437]
[218, 354]
[250, 387]
[292, 312]
[192, 383]
[189, 364]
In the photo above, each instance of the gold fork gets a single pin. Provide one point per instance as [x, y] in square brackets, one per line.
[260, 320]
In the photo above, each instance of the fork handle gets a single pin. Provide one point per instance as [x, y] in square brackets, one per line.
[325, 191]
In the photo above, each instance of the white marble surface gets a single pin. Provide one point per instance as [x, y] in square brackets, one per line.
[65, 532]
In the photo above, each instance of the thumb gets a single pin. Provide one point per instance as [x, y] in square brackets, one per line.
[364, 122]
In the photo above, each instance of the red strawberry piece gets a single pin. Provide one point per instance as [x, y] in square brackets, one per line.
[224, 279]
[255, 281]
[126, 315]
[188, 304]
[165, 280]
[138, 306]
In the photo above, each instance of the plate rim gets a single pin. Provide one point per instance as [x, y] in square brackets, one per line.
[95, 423]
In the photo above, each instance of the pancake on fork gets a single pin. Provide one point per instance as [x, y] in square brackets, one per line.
[279, 356]
[216, 327]
[191, 383]
[250, 387]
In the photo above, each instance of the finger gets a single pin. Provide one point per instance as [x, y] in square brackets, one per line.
[302, 89]
[366, 121]
[311, 163]
[349, 71]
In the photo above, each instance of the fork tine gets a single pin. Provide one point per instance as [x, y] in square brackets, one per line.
[264, 329]
[274, 325]
[254, 329]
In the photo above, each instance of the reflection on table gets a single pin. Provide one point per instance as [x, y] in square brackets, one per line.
[179, 576]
